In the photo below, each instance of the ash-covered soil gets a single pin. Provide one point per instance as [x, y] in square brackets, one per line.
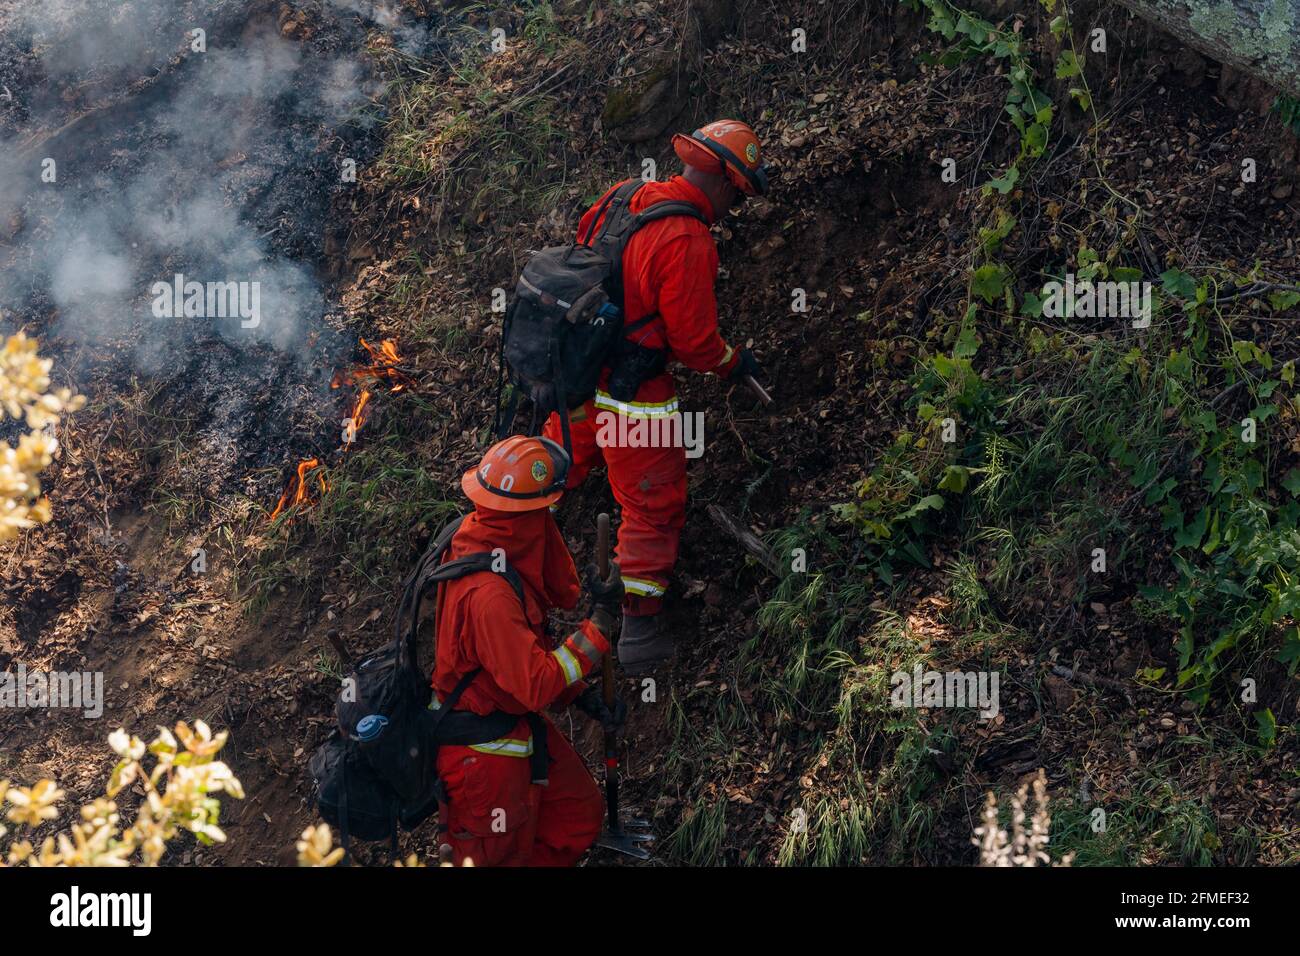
[134, 150]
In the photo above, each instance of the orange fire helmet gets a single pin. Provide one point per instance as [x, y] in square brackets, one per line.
[518, 474]
[729, 147]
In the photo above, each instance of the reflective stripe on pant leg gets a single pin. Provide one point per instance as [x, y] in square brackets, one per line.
[643, 587]
[506, 747]
[650, 485]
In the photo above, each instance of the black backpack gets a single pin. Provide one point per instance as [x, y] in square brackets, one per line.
[565, 322]
[378, 770]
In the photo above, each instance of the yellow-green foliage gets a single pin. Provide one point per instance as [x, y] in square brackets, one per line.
[25, 395]
[179, 794]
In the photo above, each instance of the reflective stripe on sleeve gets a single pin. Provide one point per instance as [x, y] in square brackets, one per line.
[506, 747]
[568, 663]
[582, 644]
[643, 587]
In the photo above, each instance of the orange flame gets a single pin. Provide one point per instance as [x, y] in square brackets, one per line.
[384, 366]
[297, 492]
[358, 415]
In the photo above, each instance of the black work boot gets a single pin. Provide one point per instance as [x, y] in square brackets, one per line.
[643, 645]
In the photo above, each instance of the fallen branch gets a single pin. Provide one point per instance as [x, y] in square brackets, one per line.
[1093, 680]
[752, 544]
[1257, 290]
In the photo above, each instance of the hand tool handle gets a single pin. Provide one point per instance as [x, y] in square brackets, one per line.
[602, 568]
[607, 679]
[607, 685]
[602, 545]
[758, 390]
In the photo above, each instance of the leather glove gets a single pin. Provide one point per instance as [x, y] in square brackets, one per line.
[748, 365]
[606, 595]
[592, 703]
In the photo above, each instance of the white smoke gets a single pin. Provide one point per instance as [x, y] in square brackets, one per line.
[208, 168]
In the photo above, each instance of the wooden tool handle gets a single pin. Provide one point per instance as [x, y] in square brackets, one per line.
[602, 568]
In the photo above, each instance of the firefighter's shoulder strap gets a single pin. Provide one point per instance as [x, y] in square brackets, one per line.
[620, 224]
[431, 570]
[451, 726]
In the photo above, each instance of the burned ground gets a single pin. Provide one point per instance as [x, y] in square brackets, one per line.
[776, 711]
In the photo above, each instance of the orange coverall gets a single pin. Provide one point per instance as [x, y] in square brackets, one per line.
[669, 268]
[498, 816]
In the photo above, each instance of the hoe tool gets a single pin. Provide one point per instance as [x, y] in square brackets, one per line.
[619, 837]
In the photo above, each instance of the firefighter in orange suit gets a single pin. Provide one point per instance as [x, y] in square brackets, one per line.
[669, 267]
[500, 812]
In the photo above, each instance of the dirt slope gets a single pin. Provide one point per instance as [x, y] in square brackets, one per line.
[500, 158]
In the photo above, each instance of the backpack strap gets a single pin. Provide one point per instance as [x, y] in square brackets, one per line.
[434, 574]
[468, 564]
[621, 224]
[665, 208]
[446, 706]
[621, 200]
[443, 541]
[432, 570]
[618, 223]
[408, 610]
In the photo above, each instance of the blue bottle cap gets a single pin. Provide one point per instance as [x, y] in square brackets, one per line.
[371, 725]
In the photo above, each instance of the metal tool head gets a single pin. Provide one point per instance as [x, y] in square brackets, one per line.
[629, 844]
[628, 838]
